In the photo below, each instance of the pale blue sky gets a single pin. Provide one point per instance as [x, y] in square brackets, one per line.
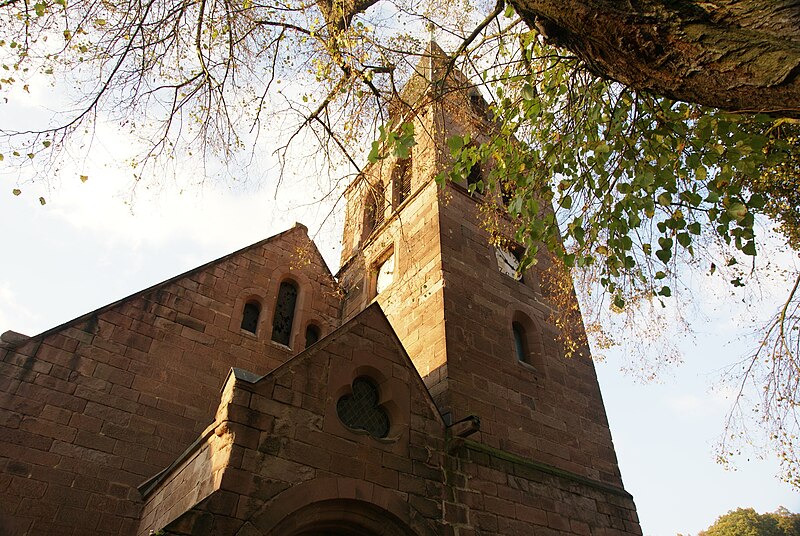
[87, 248]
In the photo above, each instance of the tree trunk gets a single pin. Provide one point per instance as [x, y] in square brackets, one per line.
[740, 55]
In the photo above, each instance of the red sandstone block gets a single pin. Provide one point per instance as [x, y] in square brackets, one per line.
[28, 487]
[19, 366]
[95, 441]
[110, 524]
[52, 381]
[411, 484]
[557, 522]
[455, 513]
[66, 496]
[498, 506]
[307, 455]
[475, 500]
[62, 341]
[30, 455]
[197, 336]
[106, 399]
[349, 466]
[104, 412]
[400, 463]
[427, 507]
[48, 429]
[37, 509]
[113, 375]
[21, 404]
[27, 439]
[55, 414]
[282, 394]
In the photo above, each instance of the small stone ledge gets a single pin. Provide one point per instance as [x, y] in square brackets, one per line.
[245, 375]
[459, 443]
[12, 339]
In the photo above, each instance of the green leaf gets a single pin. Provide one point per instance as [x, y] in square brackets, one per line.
[374, 153]
[528, 92]
[756, 201]
[749, 248]
[16, 191]
[665, 199]
[737, 211]
[665, 291]
[46, 143]
[455, 144]
[566, 202]
[684, 239]
[618, 302]
[42, 201]
[664, 255]
[700, 173]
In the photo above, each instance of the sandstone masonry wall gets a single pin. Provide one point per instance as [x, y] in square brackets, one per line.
[92, 408]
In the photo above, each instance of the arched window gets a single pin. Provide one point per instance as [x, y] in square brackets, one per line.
[401, 181]
[250, 314]
[527, 337]
[475, 175]
[374, 209]
[284, 313]
[312, 334]
[520, 342]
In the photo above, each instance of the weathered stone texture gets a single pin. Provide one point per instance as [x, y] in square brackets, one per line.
[96, 406]
[114, 423]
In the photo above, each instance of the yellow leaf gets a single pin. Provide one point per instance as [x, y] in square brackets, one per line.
[16, 191]
[84, 178]
[42, 201]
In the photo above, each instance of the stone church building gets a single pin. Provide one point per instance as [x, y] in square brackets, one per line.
[418, 391]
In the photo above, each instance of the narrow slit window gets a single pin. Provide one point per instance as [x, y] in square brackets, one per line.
[385, 274]
[284, 313]
[250, 315]
[520, 344]
[374, 209]
[475, 176]
[401, 181]
[312, 335]
[379, 198]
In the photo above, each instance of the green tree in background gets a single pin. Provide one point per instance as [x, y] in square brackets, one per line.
[748, 522]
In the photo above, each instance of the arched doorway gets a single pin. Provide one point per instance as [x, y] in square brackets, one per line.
[341, 517]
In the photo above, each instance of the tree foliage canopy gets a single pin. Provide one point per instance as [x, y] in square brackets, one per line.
[583, 98]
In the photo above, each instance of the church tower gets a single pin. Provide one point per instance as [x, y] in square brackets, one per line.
[477, 332]
[419, 393]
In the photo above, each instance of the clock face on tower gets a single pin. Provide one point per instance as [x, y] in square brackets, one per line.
[507, 262]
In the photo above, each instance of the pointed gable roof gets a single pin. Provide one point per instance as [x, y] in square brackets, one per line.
[11, 342]
[434, 75]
